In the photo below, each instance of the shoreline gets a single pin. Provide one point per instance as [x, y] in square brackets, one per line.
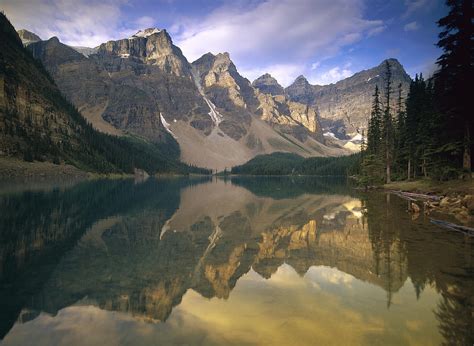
[455, 198]
[12, 168]
[17, 169]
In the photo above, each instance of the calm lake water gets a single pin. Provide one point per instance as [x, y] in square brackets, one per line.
[242, 261]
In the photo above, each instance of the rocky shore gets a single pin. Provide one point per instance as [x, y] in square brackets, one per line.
[455, 198]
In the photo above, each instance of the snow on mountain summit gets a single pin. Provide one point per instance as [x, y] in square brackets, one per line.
[145, 33]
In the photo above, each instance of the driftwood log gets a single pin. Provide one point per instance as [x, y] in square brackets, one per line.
[452, 226]
[411, 196]
[401, 195]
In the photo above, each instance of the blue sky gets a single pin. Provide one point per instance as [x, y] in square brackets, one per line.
[325, 40]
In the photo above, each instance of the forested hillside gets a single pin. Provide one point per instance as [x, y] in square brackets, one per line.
[428, 134]
[38, 124]
[291, 164]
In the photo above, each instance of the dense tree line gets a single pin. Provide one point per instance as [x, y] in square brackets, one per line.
[429, 133]
[292, 164]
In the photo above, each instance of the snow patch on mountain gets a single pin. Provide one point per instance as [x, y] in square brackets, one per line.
[145, 33]
[356, 138]
[167, 126]
[329, 134]
[369, 79]
[214, 114]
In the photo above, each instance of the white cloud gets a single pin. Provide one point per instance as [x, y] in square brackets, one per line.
[413, 6]
[275, 36]
[332, 75]
[75, 22]
[315, 65]
[145, 22]
[276, 31]
[412, 26]
[377, 30]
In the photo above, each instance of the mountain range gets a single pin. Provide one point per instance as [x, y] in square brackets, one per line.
[143, 86]
[38, 124]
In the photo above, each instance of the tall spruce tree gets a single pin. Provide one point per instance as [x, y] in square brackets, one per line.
[455, 75]
[400, 140]
[372, 162]
[375, 123]
[387, 124]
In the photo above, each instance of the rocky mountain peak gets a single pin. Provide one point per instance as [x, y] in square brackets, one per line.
[396, 67]
[391, 61]
[151, 46]
[214, 68]
[223, 62]
[232, 94]
[224, 56]
[345, 105]
[54, 40]
[52, 52]
[268, 85]
[300, 90]
[301, 80]
[28, 37]
[145, 33]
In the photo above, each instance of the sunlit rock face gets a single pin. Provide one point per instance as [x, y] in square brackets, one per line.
[153, 47]
[294, 118]
[289, 117]
[349, 101]
[143, 85]
[268, 85]
[28, 37]
[127, 84]
[228, 90]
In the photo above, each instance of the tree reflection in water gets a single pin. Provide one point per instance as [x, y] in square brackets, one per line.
[138, 248]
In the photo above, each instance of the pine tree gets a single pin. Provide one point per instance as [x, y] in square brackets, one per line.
[400, 140]
[371, 164]
[455, 74]
[375, 123]
[387, 124]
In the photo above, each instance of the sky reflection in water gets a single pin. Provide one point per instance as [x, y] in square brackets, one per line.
[247, 261]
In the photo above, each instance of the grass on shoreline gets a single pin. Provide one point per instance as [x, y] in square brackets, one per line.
[13, 168]
[428, 186]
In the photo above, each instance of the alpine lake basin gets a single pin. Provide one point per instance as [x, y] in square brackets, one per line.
[238, 261]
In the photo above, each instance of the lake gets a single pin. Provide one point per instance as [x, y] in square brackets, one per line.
[213, 261]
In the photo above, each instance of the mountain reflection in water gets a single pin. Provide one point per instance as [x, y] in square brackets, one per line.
[247, 260]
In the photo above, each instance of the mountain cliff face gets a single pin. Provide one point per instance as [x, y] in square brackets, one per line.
[344, 107]
[144, 86]
[228, 90]
[28, 37]
[268, 85]
[290, 117]
[32, 114]
[151, 46]
[38, 124]
[127, 84]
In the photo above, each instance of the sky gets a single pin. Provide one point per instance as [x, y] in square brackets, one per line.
[324, 40]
